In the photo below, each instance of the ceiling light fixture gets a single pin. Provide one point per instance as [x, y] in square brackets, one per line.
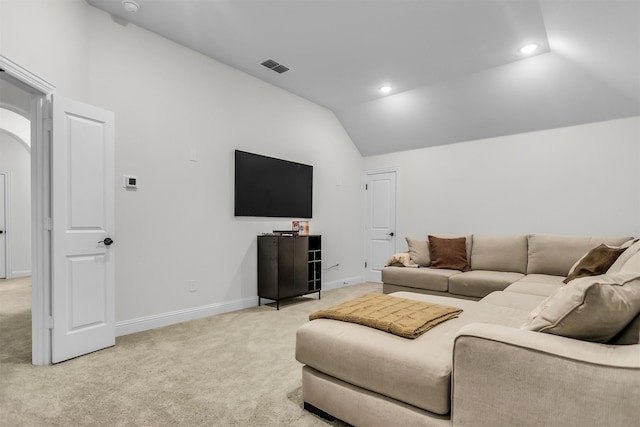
[130, 6]
[529, 48]
[385, 89]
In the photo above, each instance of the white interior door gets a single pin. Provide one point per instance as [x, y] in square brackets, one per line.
[83, 218]
[3, 229]
[380, 222]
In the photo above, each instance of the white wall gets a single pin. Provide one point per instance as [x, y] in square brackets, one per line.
[48, 37]
[580, 180]
[169, 100]
[15, 159]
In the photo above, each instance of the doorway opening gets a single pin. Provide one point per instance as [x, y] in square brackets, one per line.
[15, 220]
[38, 89]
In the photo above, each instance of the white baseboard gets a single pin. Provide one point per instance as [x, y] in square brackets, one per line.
[140, 324]
[335, 284]
[20, 273]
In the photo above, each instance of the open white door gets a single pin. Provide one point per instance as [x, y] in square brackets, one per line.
[380, 222]
[83, 224]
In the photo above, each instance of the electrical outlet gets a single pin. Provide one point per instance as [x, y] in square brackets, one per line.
[192, 285]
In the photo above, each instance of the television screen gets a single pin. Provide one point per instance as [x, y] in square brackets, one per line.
[269, 187]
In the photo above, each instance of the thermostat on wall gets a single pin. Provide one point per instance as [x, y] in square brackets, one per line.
[130, 181]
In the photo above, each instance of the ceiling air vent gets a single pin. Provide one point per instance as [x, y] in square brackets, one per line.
[275, 66]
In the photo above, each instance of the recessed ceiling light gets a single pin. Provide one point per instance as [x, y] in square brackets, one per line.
[529, 48]
[130, 6]
[385, 89]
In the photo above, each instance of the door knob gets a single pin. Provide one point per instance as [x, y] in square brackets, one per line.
[391, 234]
[107, 241]
[1, 231]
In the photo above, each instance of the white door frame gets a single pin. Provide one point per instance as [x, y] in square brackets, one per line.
[8, 269]
[41, 321]
[365, 240]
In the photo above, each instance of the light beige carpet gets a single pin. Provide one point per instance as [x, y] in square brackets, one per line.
[234, 369]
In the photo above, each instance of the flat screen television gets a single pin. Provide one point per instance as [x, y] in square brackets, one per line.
[270, 187]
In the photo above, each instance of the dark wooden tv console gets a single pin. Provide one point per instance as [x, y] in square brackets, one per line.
[289, 266]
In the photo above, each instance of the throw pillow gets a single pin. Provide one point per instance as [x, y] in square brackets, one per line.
[632, 265]
[419, 251]
[629, 335]
[448, 253]
[594, 308]
[633, 249]
[596, 261]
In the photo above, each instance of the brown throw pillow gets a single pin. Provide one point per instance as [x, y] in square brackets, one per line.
[448, 253]
[597, 261]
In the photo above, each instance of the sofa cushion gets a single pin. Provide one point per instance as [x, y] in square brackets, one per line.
[550, 254]
[595, 262]
[478, 283]
[514, 300]
[419, 251]
[505, 253]
[543, 289]
[432, 279]
[626, 255]
[543, 278]
[592, 308]
[417, 372]
[536, 284]
[448, 253]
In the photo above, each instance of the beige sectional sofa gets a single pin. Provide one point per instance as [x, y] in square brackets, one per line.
[496, 262]
[494, 365]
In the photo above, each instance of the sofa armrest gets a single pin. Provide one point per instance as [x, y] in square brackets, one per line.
[505, 376]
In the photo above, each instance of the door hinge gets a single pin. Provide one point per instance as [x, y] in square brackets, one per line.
[48, 224]
[49, 322]
[366, 186]
[365, 264]
[48, 124]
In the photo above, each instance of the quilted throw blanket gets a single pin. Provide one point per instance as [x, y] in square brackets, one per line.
[400, 316]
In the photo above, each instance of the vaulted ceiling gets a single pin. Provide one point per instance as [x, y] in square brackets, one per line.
[454, 66]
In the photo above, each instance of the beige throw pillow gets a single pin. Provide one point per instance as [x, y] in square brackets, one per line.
[632, 265]
[596, 261]
[419, 251]
[629, 335]
[448, 253]
[633, 249]
[594, 308]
